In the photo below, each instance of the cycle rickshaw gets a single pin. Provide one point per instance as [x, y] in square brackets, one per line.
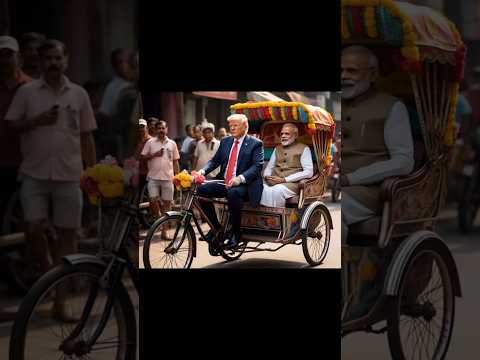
[304, 221]
[422, 59]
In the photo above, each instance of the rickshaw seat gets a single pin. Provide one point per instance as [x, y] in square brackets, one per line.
[368, 227]
[292, 202]
[411, 198]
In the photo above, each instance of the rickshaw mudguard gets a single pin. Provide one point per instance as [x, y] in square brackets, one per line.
[178, 213]
[309, 211]
[404, 253]
[77, 259]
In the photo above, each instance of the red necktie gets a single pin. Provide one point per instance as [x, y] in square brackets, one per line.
[231, 163]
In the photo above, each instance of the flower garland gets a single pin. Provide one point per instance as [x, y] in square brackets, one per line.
[450, 132]
[370, 22]
[107, 179]
[295, 113]
[459, 54]
[272, 113]
[280, 111]
[409, 49]
[183, 180]
[345, 32]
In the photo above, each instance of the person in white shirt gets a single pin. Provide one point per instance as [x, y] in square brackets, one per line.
[184, 158]
[206, 149]
[363, 106]
[376, 144]
[290, 162]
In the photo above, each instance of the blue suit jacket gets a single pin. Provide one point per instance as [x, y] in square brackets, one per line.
[249, 164]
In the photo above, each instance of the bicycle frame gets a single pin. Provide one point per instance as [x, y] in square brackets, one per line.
[191, 202]
[117, 259]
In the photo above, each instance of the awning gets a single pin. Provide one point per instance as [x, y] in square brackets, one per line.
[224, 95]
[294, 96]
[262, 96]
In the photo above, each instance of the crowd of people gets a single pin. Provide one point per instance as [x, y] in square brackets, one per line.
[51, 129]
[161, 157]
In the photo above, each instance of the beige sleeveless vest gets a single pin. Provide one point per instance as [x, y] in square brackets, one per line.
[288, 162]
[363, 144]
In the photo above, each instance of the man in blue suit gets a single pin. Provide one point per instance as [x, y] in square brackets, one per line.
[240, 158]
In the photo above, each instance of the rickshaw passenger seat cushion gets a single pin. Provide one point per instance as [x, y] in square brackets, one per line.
[292, 201]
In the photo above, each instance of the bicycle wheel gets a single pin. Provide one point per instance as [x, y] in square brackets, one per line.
[420, 320]
[316, 237]
[37, 334]
[169, 244]
[234, 254]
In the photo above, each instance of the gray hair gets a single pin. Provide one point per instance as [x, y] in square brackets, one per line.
[293, 127]
[358, 49]
[240, 117]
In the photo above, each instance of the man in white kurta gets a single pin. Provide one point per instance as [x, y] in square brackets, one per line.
[376, 144]
[359, 72]
[284, 171]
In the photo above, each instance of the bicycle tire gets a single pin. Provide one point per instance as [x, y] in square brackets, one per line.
[122, 309]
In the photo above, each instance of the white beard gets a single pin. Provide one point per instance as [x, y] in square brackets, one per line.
[288, 142]
[353, 91]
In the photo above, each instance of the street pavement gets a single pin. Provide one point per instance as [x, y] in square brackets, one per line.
[290, 256]
[466, 334]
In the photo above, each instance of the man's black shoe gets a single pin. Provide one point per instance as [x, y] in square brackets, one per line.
[233, 241]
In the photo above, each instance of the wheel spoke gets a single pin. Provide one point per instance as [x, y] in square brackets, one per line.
[422, 333]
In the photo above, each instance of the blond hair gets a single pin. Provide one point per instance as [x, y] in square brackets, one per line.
[239, 117]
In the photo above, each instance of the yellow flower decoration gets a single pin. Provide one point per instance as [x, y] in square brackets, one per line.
[111, 189]
[345, 32]
[183, 180]
[282, 111]
[93, 199]
[409, 50]
[368, 271]
[293, 217]
[295, 113]
[450, 132]
[270, 110]
[370, 22]
[329, 158]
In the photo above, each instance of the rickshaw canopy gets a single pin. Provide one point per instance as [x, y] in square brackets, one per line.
[265, 117]
[314, 117]
[418, 32]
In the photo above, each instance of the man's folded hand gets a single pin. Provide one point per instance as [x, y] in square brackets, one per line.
[234, 182]
[274, 180]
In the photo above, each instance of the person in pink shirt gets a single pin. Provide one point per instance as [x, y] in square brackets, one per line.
[162, 156]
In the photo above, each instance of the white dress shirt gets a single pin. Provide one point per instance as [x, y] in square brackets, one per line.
[240, 142]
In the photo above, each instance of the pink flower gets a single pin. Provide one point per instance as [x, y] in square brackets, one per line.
[89, 185]
[198, 179]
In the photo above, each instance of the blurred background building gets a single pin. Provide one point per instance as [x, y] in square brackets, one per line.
[182, 108]
[91, 29]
